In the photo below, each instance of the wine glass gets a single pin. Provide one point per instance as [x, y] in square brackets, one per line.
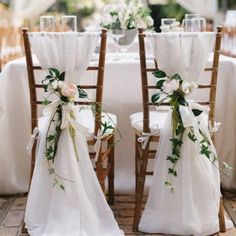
[193, 25]
[117, 34]
[192, 16]
[47, 23]
[69, 23]
[202, 22]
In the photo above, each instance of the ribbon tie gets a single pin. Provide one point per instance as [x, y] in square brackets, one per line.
[33, 137]
[67, 119]
[144, 138]
[98, 142]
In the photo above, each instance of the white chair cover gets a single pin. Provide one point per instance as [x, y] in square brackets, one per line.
[69, 52]
[193, 207]
[182, 53]
[82, 209]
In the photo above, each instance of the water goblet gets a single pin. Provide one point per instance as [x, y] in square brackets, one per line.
[47, 23]
[117, 34]
[69, 23]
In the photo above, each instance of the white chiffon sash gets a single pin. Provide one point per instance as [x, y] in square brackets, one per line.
[183, 53]
[192, 209]
[65, 51]
[80, 210]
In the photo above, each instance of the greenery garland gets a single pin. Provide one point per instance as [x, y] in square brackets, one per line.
[54, 84]
[174, 90]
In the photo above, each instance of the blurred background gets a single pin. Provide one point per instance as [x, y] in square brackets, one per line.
[15, 14]
[20, 12]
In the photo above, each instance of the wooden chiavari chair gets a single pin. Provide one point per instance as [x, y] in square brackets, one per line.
[143, 155]
[104, 165]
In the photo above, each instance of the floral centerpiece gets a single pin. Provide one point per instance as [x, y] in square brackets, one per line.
[127, 15]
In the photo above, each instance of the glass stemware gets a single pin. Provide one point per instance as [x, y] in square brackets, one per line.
[47, 23]
[69, 23]
[194, 23]
[117, 34]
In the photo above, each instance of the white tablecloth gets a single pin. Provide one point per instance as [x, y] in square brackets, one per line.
[122, 96]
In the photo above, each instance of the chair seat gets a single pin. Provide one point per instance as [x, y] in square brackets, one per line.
[86, 118]
[156, 120]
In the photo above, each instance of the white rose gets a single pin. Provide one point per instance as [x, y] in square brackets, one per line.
[169, 86]
[55, 84]
[150, 21]
[68, 90]
[188, 87]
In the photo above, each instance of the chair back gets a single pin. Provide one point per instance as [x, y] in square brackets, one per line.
[146, 87]
[35, 87]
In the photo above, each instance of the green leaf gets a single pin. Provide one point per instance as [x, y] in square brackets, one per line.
[197, 112]
[159, 83]
[176, 142]
[172, 171]
[192, 136]
[82, 93]
[62, 187]
[176, 77]
[179, 130]
[155, 97]
[48, 77]
[182, 101]
[205, 151]
[45, 87]
[172, 159]
[46, 101]
[159, 74]
[54, 72]
[51, 171]
[62, 76]
[50, 138]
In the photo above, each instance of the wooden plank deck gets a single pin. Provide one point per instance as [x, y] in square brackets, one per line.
[12, 212]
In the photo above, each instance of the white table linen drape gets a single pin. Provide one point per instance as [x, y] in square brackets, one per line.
[183, 212]
[122, 91]
[82, 208]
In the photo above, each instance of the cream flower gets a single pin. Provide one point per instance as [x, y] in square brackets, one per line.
[169, 86]
[68, 89]
[188, 87]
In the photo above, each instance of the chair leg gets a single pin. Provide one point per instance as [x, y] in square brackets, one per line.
[23, 229]
[222, 218]
[142, 167]
[111, 162]
[136, 163]
[100, 174]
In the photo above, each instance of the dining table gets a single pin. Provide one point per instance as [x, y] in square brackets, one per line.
[122, 96]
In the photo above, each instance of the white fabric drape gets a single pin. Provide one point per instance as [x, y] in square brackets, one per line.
[187, 57]
[25, 9]
[206, 8]
[183, 212]
[82, 209]
[65, 51]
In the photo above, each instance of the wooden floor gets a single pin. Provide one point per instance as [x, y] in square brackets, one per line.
[12, 212]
